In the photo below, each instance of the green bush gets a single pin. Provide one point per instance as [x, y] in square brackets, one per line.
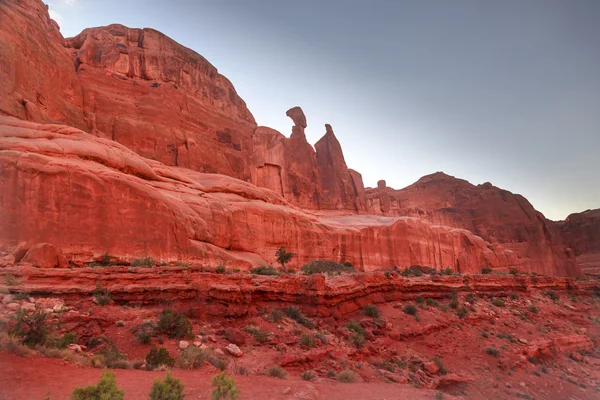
[454, 304]
[264, 270]
[143, 262]
[220, 269]
[191, 358]
[371, 311]
[259, 335]
[492, 352]
[449, 271]
[498, 302]
[513, 271]
[277, 315]
[514, 296]
[225, 387]
[462, 312]
[419, 300]
[157, 357]
[277, 372]
[533, 309]
[486, 270]
[102, 296]
[552, 295]
[307, 340]
[346, 376]
[106, 389]
[308, 375]
[470, 298]
[144, 332]
[438, 362]
[432, 303]
[31, 327]
[168, 389]
[326, 267]
[174, 325]
[358, 340]
[217, 360]
[354, 326]
[296, 314]
[410, 309]
[113, 358]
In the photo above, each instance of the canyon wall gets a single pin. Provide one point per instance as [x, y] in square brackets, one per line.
[581, 232]
[496, 215]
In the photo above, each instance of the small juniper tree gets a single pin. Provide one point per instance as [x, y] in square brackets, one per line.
[168, 389]
[283, 256]
[225, 387]
[106, 389]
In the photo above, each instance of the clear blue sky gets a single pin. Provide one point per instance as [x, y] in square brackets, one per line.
[501, 91]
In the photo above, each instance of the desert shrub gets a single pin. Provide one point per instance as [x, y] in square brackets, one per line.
[138, 364]
[31, 327]
[220, 269]
[438, 362]
[449, 271]
[486, 270]
[354, 326]
[462, 312]
[225, 388]
[454, 304]
[498, 302]
[371, 311]
[217, 360]
[21, 296]
[277, 372]
[431, 302]
[513, 271]
[259, 335]
[144, 331]
[485, 334]
[296, 314]
[106, 389]
[308, 375]
[265, 270]
[358, 340]
[191, 358]
[113, 358]
[514, 296]
[277, 315]
[97, 361]
[552, 295]
[157, 357]
[419, 300]
[326, 267]
[174, 325]
[470, 298]
[507, 336]
[14, 346]
[410, 309]
[414, 270]
[102, 295]
[65, 340]
[143, 262]
[533, 309]
[307, 340]
[492, 352]
[346, 376]
[97, 341]
[168, 389]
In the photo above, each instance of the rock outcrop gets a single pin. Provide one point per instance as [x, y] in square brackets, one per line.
[340, 190]
[581, 232]
[88, 195]
[496, 215]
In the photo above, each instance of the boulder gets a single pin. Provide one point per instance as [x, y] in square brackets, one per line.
[45, 255]
[234, 350]
[235, 336]
[184, 344]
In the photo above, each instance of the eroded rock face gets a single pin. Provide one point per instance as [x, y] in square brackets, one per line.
[88, 196]
[340, 190]
[581, 232]
[38, 81]
[162, 100]
[494, 214]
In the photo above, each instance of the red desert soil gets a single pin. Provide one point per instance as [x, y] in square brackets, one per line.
[58, 378]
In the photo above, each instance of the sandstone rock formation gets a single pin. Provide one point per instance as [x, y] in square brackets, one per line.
[581, 232]
[340, 190]
[494, 214]
[88, 196]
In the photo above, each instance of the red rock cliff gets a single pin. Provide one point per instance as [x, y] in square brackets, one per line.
[496, 215]
[581, 231]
